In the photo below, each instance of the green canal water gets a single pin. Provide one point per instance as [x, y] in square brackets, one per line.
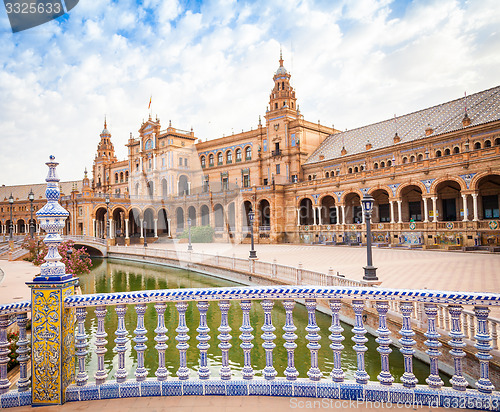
[113, 275]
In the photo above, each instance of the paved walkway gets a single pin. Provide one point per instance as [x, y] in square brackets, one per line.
[226, 404]
[13, 285]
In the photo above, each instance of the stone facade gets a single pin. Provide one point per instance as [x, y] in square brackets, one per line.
[434, 174]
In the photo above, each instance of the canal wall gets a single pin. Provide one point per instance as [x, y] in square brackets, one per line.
[232, 269]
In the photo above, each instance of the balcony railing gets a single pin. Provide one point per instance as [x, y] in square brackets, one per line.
[276, 152]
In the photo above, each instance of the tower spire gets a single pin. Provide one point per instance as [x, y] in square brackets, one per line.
[281, 57]
[105, 123]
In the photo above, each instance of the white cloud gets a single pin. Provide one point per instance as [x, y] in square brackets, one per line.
[352, 63]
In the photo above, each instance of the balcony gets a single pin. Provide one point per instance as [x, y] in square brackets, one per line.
[276, 152]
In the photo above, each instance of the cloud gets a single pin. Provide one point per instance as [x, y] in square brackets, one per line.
[209, 66]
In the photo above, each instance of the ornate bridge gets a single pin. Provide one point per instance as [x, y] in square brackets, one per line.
[94, 245]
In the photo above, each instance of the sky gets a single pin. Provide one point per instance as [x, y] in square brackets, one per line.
[209, 65]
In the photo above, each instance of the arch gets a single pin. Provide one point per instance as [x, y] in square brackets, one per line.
[248, 153]
[246, 207]
[121, 177]
[487, 143]
[420, 157]
[356, 170]
[448, 194]
[182, 186]
[439, 153]
[412, 159]
[179, 217]
[134, 222]
[192, 215]
[346, 193]
[229, 156]
[488, 188]
[203, 161]
[405, 160]
[381, 209]
[118, 214]
[353, 211]
[116, 177]
[382, 164]
[348, 171]
[306, 211]
[328, 210]
[238, 154]
[477, 145]
[220, 158]
[21, 226]
[411, 208]
[231, 218]
[210, 159]
[150, 188]
[456, 150]
[219, 216]
[1, 227]
[327, 175]
[205, 215]
[7, 227]
[163, 221]
[164, 188]
[264, 214]
[148, 222]
[100, 214]
[440, 180]
[497, 141]
[447, 151]
[126, 175]
[417, 183]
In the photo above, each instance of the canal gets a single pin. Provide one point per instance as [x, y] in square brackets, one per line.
[113, 275]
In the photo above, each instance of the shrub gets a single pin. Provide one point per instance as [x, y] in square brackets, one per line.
[12, 338]
[199, 234]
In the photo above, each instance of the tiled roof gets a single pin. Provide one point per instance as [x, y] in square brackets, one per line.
[482, 107]
[21, 192]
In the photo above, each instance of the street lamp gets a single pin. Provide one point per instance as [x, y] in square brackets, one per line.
[145, 226]
[31, 197]
[190, 247]
[107, 216]
[370, 271]
[253, 253]
[11, 226]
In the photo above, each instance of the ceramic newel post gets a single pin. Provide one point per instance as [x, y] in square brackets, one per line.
[52, 325]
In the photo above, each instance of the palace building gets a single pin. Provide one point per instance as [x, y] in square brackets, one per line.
[434, 175]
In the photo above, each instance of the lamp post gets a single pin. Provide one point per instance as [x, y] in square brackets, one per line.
[253, 253]
[11, 226]
[145, 226]
[190, 247]
[107, 216]
[31, 197]
[370, 271]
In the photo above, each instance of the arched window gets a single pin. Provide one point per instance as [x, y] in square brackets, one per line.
[477, 145]
[375, 165]
[121, 177]
[355, 169]
[382, 164]
[219, 158]
[327, 175]
[248, 153]
[487, 143]
[229, 157]
[447, 152]
[203, 161]
[456, 150]
[238, 155]
[309, 177]
[405, 160]
[349, 170]
[389, 163]
[420, 157]
[412, 159]
[116, 177]
[211, 160]
[438, 153]
[497, 141]
[126, 176]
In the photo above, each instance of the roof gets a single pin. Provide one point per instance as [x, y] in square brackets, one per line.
[482, 107]
[20, 192]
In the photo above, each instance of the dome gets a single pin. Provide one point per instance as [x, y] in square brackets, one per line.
[281, 70]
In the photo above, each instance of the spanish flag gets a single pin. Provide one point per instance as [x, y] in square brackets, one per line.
[149, 107]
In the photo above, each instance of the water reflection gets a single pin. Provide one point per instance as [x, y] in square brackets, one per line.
[120, 276]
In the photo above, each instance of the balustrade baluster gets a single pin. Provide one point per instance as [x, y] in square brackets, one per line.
[291, 372]
[121, 342]
[494, 335]
[465, 327]
[100, 343]
[224, 337]
[458, 381]
[359, 339]
[471, 326]
[81, 346]
[268, 336]
[182, 338]
[313, 337]
[4, 354]
[140, 339]
[447, 324]
[408, 379]
[483, 349]
[203, 338]
[384, 377]
[336, 337]
[23, 352]
[441, 317]
[161, 341]
[434, 380]
[246, 340]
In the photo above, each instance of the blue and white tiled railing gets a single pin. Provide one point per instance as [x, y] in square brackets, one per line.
[319, 383]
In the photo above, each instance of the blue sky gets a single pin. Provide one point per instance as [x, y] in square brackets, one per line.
[209, 65]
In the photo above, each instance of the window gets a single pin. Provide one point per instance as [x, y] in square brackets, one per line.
[278, 169]
[126, 176]
[275, 105]
[162, 162]
[185, 161]
[477, 145]
[248, 153]
[246, 180]
[211, 160]
[382, 164]
[384, 212]
[420, 157]
[229, 157]
[415, 211]
[116, 177]
[447, 152]
[265, 182]
[205, 184]
[405, 160]
[356, 169]
[456, 150]
[121, 177]
[497, 141]
[375, 165]
[327, 175]
[225, 183]
[348, 171]
[389, 163]
[487, 143]
[180, 161]
[294, 179]
[238, 155]
[490, 207]
[412, 159]
[219, 158]
[202, 160]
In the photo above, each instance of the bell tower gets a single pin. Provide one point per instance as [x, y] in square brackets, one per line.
[104, 158]
[282, 95]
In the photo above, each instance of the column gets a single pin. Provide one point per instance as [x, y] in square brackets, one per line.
[126, 229]
[169, 225]
[93, 228]
[298, 217]
[362, 216]
[426, 212]
[391, 203]
[189, 188]
[466, 211]
[400, 215]
[434, 209]
[474, 203]
[156, 227]
[337, 214]
[314, 215]
[111, 236]
[142, 228]
[320, 222]
[343, 214]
